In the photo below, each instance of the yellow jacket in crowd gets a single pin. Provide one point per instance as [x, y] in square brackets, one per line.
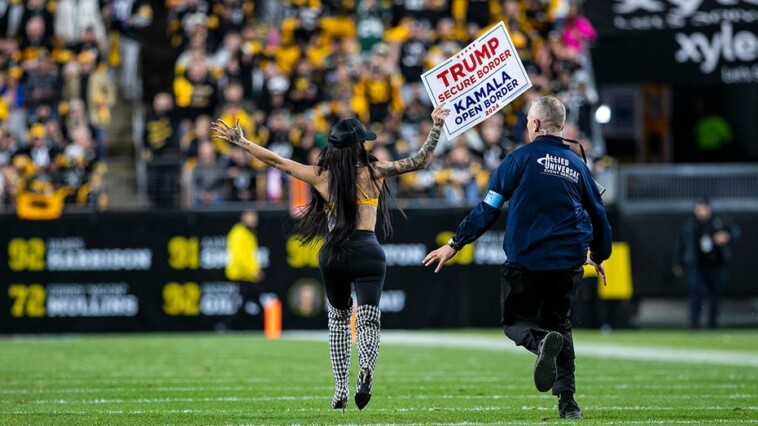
[242, 250]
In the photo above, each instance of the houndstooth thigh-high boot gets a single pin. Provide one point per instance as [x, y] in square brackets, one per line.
[340, 342]
[367, 325]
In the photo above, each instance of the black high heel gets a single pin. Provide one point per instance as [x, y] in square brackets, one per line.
[363, 392]
[339, 403]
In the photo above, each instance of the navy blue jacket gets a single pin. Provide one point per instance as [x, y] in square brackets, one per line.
[555, 212]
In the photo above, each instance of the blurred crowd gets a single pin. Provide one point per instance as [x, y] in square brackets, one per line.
[287, 70]
[59, 60]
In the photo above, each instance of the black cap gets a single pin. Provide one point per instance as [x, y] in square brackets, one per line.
[362, 133]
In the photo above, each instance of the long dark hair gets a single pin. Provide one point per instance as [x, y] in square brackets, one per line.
[341, 158]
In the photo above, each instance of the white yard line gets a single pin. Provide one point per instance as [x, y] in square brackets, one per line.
[587, 384]
[601, 350]
[106, 401]
[389, 410]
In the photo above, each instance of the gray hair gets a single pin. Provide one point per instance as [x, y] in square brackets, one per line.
[550, 111]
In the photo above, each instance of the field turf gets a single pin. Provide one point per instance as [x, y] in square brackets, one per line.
[455, 377]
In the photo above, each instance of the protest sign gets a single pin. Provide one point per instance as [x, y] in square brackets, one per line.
[478, 81]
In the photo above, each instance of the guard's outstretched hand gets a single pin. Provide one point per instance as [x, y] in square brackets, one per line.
[599, 268]
[227, 133]
[439, 256]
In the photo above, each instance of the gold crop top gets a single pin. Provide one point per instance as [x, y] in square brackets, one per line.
[368, 201]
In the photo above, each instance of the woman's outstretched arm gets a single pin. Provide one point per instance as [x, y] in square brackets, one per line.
[308, 174]
[424, 154]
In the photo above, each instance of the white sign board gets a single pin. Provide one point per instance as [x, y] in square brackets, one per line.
[478, 81]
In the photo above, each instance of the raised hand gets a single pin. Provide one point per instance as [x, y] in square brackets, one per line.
[227, 133]
[440, 114]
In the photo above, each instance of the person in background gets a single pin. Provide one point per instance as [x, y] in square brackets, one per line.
[242, 265]
[208, 177]
[700, 256]
[127, 18]
[161, 151]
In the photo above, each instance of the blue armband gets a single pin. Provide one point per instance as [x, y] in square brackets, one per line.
[494, 199]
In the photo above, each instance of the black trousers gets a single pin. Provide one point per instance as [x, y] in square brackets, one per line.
[363, 265]
[705, 281]
[535, 303]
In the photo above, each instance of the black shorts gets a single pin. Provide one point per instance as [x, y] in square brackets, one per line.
[363, 264]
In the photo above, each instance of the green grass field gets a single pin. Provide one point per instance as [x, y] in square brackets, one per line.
[455, 377]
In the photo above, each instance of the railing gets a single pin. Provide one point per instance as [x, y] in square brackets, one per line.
[674, 188]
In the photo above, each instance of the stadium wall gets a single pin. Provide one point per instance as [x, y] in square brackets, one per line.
[164, 271]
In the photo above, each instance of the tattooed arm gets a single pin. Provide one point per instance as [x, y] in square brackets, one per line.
[308, 174]
[424, 154]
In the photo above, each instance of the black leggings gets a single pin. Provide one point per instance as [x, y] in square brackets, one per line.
[363, 264]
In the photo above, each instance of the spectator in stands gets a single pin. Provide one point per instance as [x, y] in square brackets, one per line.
[580, 102]
[8, 175]
[370, 21]
[43, 156]
[8, 147]
[196, 51]
[78, 157]
[196, 94]
[417, 106]
[700, 256]
[54, 133]
[100, 97]
[8, 186]
[76, 116]
[75, 17]
[276, 93]
[43, 88]
[208, 177]
[304, 93]
[412, 57]
[496, 144]
[377, 95]
[42, 11]
[88, 42]
[183, 20]
[126, 18]
[229, 50]
[233, 14]
[243, 178]
[161, 151]
[571, 131]
[577, 30]
[463, 178]
[233, 110]
[478, 12]
[12, 93]
[92, 194]
[191, 140]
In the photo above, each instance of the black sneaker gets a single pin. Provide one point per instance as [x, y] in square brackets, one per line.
[569, 409]
[545, 370]
[363, 391]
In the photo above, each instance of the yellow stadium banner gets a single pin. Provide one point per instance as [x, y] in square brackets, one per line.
[618, 270]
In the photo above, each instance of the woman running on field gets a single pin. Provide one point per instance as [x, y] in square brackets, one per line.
[348, 189]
